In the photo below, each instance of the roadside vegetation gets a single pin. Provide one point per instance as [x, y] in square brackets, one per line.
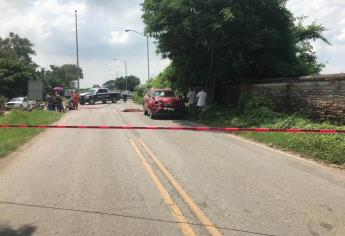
[10, 139]
[213, 43]
[257, 112]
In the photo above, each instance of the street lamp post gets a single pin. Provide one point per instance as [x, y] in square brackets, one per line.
[124, 61]
[147, 50]
[76, 40]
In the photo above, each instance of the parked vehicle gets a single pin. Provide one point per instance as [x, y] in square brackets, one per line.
[163, 102]
[98, 95]
[20, 102]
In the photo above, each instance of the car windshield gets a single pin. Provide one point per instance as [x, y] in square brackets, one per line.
[163, 93]
[16, 99]
[92, 91]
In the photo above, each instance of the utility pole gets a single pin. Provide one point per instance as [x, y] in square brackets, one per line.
[76, 40]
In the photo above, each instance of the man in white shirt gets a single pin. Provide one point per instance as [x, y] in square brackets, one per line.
[201, 96]
[191, 100]
[191, 96]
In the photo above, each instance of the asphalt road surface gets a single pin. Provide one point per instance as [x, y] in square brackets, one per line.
[154, 182]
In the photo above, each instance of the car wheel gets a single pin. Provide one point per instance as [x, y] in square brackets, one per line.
[114, 100]
[92, 101]
[82, 103]
[104, 102]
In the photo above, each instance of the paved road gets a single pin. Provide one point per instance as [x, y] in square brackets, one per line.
[122, 182]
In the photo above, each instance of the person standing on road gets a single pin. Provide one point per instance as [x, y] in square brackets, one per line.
[54, 100]
[75, 100]
[201, 103]
[191, 100]
[124, 96]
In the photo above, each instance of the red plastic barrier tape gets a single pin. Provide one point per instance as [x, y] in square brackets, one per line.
[189, 128]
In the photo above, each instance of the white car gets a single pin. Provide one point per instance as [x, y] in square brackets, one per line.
[20, 102]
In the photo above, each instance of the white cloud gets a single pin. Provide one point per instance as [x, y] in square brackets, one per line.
[117, 37]
[49, 24]
[331, 14]
[39, 20]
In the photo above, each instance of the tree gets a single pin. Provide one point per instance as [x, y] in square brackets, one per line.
[110, 84]
[163, 80]
[212, 42]
[120, 83]
[65, 76]
[16, 65]
[306, 56]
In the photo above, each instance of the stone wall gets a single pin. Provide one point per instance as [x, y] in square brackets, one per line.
[319, 97]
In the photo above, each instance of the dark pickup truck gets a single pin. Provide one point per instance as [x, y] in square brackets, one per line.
[98, 95]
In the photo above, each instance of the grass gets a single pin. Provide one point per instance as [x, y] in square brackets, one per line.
[11, 139]
[328, 148]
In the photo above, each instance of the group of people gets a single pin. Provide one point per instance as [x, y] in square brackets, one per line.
[55, 102]
[196, 100]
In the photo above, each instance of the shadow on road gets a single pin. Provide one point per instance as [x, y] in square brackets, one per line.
[186, 121]
[25, 230]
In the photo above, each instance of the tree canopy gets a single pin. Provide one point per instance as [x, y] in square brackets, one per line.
[120, 83]
[16, 65]
[212, 42]
[17, 68]
[64, 76]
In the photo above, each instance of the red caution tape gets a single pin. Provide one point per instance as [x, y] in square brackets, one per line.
[189, 128]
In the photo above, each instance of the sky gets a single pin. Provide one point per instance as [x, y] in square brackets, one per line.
[50, 26]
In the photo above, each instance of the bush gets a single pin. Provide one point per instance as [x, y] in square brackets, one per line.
[260, 116]
[257, 112]
[139, 93]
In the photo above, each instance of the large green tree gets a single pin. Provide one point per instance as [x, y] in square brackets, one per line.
[120, 83]
[65, 76]
[212, 42]
[16, 65]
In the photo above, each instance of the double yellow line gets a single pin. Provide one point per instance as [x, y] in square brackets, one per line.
[174, 209]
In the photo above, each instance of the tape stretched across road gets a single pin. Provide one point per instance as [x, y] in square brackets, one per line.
[188, 128]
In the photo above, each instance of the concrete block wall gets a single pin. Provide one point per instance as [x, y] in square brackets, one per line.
[319, 97]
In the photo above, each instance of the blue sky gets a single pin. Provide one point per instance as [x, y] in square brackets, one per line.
[49, 24]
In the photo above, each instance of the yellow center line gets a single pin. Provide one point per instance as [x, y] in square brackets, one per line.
[209, 225]
[174, 209]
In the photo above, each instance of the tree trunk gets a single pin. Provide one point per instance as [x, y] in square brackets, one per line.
[212, 79]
